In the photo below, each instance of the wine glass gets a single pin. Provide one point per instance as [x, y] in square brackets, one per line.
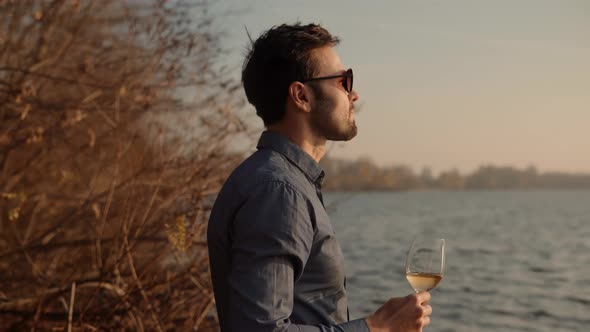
[425, 263]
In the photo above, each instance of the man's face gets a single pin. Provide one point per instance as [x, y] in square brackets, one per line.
[332, 112]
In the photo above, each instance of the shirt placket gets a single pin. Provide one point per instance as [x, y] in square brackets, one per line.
[318, 187]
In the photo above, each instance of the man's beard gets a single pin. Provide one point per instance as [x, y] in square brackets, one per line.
[324, 125]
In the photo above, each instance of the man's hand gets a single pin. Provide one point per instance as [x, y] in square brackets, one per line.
[402, 314]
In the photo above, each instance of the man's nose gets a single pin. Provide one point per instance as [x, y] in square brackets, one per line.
[354, 96]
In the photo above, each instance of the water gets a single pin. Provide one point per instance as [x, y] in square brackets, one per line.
[516, 261]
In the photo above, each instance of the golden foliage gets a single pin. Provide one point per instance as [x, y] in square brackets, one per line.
[178, 235]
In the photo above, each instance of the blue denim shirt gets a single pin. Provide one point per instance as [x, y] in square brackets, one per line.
[275, 262]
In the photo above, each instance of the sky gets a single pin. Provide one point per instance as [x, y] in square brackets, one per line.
[452, 83]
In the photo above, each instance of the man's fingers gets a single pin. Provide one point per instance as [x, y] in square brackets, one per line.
[423, 311]
[423, 297]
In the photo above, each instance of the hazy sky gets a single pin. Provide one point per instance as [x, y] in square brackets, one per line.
[454, 83]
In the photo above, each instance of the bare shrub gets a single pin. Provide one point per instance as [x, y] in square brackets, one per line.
[107, 166]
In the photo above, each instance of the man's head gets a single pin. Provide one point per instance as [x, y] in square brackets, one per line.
[284, 64]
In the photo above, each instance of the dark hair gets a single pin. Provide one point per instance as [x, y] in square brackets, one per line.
[277, 58]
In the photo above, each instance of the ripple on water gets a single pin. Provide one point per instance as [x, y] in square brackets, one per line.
[580, 300]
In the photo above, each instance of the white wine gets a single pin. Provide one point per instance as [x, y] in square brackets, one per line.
[423, 281]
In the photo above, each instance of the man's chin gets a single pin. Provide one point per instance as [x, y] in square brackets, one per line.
[353, 130]
[346, 136]
[353, 133]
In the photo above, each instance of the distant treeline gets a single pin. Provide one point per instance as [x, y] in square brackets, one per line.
[363, 175]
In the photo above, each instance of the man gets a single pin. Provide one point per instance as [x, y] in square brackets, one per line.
[275, 262]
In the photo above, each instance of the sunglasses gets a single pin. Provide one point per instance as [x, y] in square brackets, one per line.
[346, 84]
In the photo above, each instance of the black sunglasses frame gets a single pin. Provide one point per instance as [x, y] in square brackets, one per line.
[345, 84]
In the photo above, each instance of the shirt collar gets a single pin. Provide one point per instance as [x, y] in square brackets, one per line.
[282, 145]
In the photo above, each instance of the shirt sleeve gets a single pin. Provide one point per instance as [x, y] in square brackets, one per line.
[271, 241]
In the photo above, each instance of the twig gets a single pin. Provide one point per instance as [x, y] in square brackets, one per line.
[81, 243]
[145, 217]
[137, 322]
[105, 213]
[32, 220]
[54, 78]
[138, 282]
[86, 325]
[35, 270]
[27, 302]
[71, 309]
[204, 313]
[197, 283]
[37, 314]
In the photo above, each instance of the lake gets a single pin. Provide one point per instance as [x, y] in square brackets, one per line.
[515, 261]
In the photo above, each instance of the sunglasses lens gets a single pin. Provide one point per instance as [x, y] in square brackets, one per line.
[349, 81]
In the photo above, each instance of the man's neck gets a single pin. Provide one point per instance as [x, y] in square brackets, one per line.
[313, 146]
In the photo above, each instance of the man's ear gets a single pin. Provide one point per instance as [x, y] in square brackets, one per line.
[299, 96]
